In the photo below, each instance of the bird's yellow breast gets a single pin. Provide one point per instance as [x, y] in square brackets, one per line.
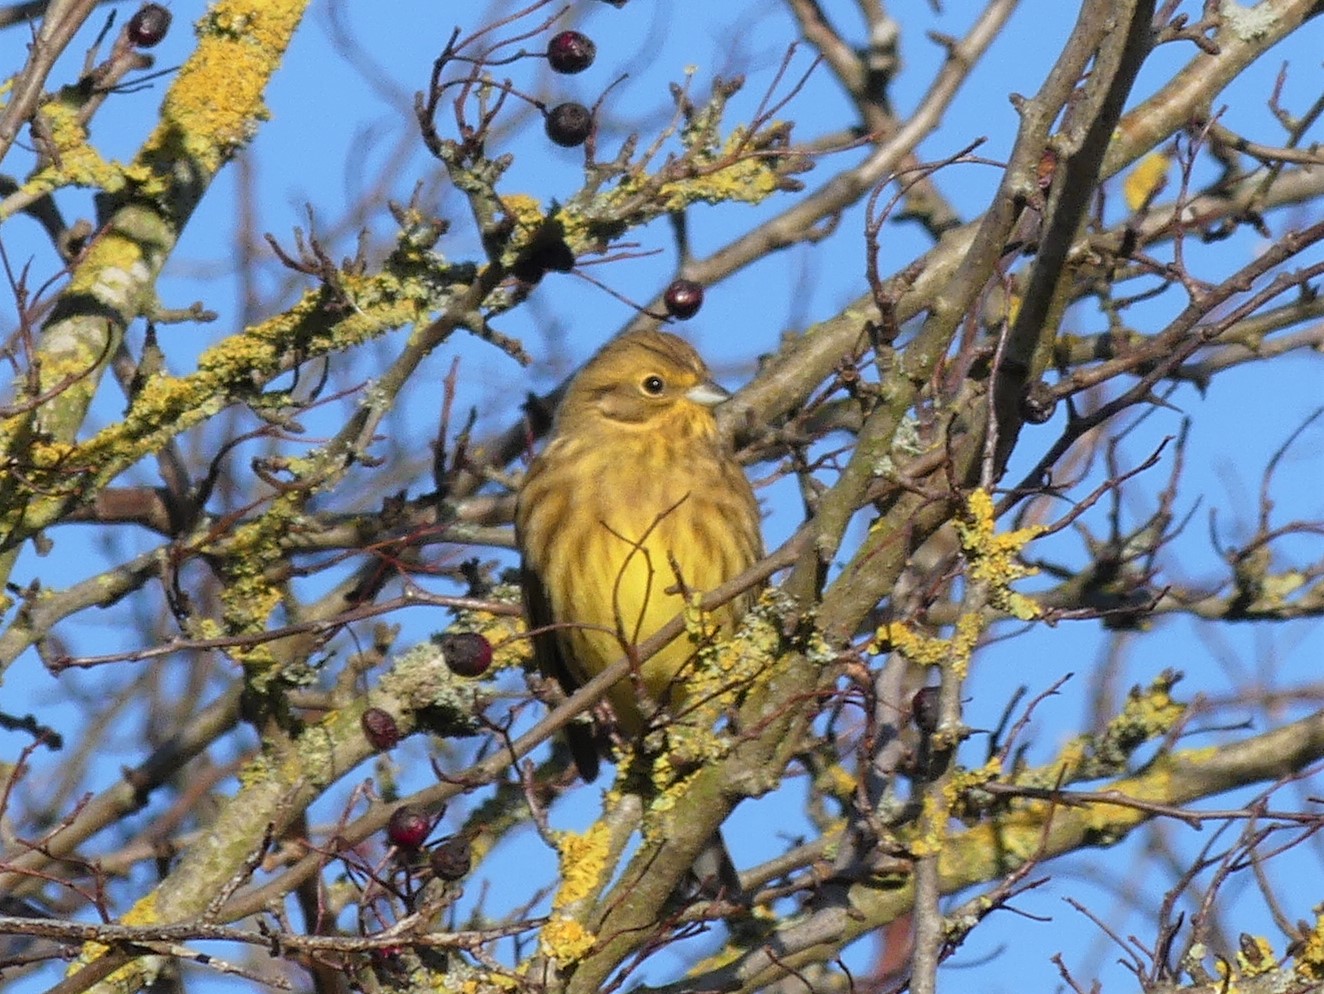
[650, 524]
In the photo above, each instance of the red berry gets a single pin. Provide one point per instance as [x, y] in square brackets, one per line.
[452, 859]
[408, 827]
[924, 709]
[380, 729]
[570, 52]
[466, 653]
[569, 124]
[148, 25]
[683, 298]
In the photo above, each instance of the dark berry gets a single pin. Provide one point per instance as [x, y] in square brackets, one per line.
[388, 956]
[466, 653]
[556, 256]
[408, 827]
[543, 255]
[924, 709]
[148, 25]
[452, 859]
[570, 52]
[528, 269]
[380, 729]
[683, 298]
[569, 124]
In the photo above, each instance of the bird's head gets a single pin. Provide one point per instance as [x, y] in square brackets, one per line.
[647, 379]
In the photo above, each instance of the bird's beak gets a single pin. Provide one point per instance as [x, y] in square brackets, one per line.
[708, 394]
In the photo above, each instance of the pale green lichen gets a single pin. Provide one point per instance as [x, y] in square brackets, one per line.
[449, 702]
[1148, 714]
[1248, 23]
[251, 592]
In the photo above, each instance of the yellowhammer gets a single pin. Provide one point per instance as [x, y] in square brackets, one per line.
[634, 499]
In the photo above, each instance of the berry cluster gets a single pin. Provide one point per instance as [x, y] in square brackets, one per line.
[570, 124]
[409, 828]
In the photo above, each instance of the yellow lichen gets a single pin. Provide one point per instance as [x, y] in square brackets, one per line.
[143, 912]
[725, 173]
[929, 650]
[965, 780]
[1255, 956]
[664, 781]
[523, 209]
[169, 405]
[1071, 758]
[250, 554]
[722, 670]
[1113, 820]
[930, 834]
[47, 454]
[838, 781]
[1147, 713]
[216, 101]
[583, 861]
[74, 161]
[487, 983]
[1310, 961]
[993, 558]
[565, 940]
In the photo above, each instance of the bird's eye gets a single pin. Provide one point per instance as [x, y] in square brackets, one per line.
[653, 386]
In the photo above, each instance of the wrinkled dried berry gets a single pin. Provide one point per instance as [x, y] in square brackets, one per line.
[388, 958]
[1038, 402]
[408, 827]
[569, 124]
[466, 653]
[380, 729]
[570, 52]
[924, 709]
[683, 298]
[148, 25]
[452, 859]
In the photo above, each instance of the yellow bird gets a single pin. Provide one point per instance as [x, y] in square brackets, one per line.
[634, 500]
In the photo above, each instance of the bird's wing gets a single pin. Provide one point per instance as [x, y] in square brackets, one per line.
[549, 653]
